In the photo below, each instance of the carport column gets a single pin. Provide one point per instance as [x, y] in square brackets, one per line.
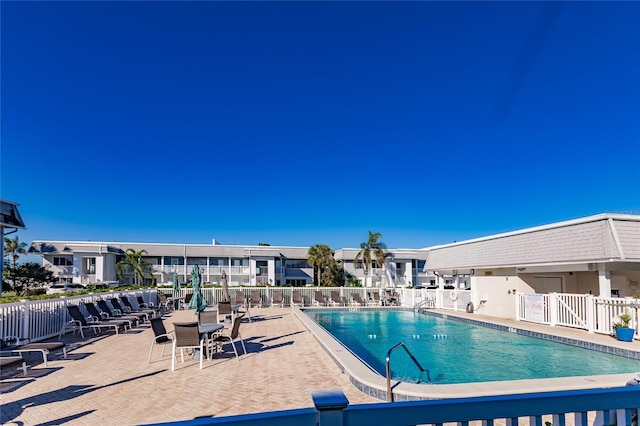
[604, 281]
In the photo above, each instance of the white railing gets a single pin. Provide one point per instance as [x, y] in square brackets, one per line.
[582, 311]
[41, 319]
[614, 406]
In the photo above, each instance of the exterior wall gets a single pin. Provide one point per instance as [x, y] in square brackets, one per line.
[498, 295]
[109, 270]
[77, 268]
[99, 275]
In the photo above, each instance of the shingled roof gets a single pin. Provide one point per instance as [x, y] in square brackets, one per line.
[600, 238]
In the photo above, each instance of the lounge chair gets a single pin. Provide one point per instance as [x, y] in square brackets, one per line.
[356, 300]
[142, 316]
[148, 305]
[105, 318]
[277, 298]
[113, 313]
[11, 344]
[256, 299]
[187, 336]
[370, 301]
[12, 361]
[231, 338]
[376, 298]
[79, 322]
[393, 298]
[161, 337]
[128, 308]
[318, 299]
[336, 300]
[297, 299]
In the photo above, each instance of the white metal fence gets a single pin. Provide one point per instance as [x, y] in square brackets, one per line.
[40, 319]
[582, 311]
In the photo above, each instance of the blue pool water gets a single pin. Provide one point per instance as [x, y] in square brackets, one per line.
[457, 352]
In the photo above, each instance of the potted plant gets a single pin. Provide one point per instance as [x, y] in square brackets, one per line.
[623, 331]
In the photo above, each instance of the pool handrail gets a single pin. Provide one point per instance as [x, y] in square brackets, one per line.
[388, 367]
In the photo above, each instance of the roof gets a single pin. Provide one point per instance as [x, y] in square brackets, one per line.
[600, 238]
[155, 249]
[9, 215]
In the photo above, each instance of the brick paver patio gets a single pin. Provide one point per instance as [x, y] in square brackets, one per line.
[106, 379]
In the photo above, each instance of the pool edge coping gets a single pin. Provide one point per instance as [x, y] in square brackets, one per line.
[375, 385]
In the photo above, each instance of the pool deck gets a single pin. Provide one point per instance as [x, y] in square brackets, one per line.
[106, 379]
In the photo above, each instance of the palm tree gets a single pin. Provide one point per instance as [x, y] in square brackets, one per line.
[372, 249]
[14, 248]
[133, 260]
[321, 258]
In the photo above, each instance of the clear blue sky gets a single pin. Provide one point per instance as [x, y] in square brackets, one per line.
[296, 123]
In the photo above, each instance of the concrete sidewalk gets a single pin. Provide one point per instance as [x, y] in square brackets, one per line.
[106, 379]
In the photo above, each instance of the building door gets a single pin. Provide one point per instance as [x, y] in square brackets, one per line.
[545, 285]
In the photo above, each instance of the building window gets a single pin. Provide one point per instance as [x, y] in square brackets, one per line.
[90, 265]
[63, 261]
[171, 261]
[239, 261]
[296, 263]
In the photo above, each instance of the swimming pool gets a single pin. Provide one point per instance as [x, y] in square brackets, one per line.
[456, 352]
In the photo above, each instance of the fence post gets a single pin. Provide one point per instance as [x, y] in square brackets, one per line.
[591, 309]
[26, 329]
[553, 309]
[330, 405]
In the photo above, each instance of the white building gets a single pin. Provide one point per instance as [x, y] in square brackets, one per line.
[597, 255]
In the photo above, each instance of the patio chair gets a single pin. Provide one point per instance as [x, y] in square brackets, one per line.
[209, 316]
[11, 344]
[105, 318]
[163, 303]
[336, 300]
[128, 308]
[240, 298]
[277, 298]
[318, 299]
[297, 299]
[224, 311]
[187, 336]
[161, 337]
[116, 314]
[256, 299]
[356, 300]
[231, 338]
[142, 316]
[12, 361]
[185, 303]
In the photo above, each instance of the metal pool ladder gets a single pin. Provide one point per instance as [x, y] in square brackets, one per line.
[413, 358]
